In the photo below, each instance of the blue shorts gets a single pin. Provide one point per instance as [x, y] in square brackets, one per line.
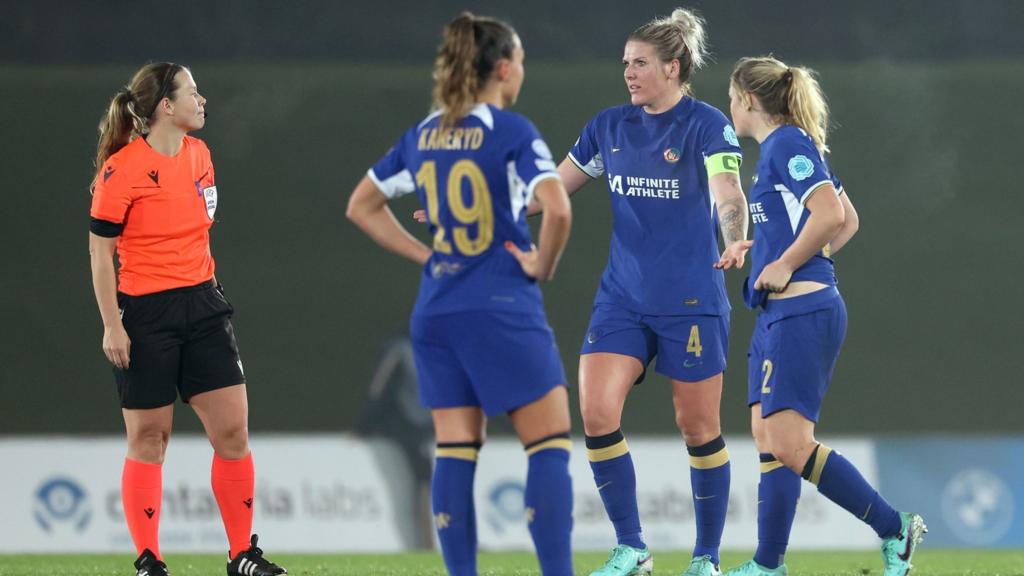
[497, 361]
[689, 348]
[793, 351]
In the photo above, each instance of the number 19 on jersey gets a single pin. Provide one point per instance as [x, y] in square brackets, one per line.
[478, 211]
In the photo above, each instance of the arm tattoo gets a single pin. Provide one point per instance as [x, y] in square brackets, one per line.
[732, 214]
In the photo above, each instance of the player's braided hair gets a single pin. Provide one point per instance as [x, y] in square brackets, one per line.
[469, 51]
[680, 37]
[132, 109]
[790, 93]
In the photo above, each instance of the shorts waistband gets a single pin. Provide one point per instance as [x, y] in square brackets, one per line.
[788, 306]
[208, 285]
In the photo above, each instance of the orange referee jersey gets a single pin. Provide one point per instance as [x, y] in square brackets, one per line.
[165, 205]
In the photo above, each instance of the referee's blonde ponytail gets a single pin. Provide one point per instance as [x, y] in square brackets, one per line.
[681, 37]
[132, 109]
[790, 93]
[469, 51]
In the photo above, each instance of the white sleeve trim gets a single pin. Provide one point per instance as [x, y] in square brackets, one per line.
[545, 165]
[537, 180]
[398, 185]
[594, 168]
[812, 188]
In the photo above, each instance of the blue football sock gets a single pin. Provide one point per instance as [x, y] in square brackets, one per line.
[548, 502]
[709, 479]
[616, 481]
[839, 481]
[777, 495]
[454, 514]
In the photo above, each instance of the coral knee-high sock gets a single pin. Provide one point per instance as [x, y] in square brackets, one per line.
[234, 484]
[141, 493]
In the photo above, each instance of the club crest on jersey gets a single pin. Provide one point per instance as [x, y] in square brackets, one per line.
[800, 167]
[210, 197]
[671, 155]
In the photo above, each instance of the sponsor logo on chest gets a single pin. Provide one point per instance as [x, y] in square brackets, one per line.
[757, 214]
[642, 187]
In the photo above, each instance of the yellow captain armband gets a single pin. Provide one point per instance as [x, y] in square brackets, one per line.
[724, 162]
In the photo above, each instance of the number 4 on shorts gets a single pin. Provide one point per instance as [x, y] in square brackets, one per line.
[693, 344]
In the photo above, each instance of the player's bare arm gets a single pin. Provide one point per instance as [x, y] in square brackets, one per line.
[368, 208]
[732, 218]
[851, 223]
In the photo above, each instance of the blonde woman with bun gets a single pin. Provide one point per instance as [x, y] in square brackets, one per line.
[672, 169]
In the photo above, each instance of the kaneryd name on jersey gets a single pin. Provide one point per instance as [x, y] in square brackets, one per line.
[665, 188]
[451, 139]
[757, 214]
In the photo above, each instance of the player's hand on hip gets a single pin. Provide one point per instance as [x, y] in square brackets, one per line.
[735, 255]
[420, 216]
[116, 345]
[774, 278]
[529, 261]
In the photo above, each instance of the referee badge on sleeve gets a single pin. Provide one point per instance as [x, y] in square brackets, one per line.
[210, 197]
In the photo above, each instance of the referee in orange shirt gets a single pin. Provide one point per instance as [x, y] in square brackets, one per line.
[166, 322]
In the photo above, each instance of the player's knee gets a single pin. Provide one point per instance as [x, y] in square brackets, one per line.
[599, 419]
[790, 450]
[696, 429]
[785, 456]
[148, 445]
[231, 442]
[760, 441]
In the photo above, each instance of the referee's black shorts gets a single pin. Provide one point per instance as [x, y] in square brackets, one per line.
[182, 343]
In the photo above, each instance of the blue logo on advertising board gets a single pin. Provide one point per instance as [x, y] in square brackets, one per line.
[61, 501]
[967, 489]
[978, 506]
[506, 505]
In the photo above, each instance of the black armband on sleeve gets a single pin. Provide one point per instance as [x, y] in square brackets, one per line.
[105, 228]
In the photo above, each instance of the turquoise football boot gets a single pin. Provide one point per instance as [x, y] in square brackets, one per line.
[751, 568]
[898, 550]
[627, 561]
[702, 566]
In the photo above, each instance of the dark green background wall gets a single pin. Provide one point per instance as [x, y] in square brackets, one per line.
[926, 146]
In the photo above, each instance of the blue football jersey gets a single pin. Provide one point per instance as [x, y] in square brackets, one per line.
[475, 180]
[665, 233]
[789, 169]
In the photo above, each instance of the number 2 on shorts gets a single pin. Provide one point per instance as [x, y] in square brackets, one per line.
[767, 369]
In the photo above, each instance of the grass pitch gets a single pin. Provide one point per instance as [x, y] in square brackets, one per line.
[926, 562]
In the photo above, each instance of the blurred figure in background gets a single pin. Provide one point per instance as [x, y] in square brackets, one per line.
[803, 216]
[167, 327]
[480, 336]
